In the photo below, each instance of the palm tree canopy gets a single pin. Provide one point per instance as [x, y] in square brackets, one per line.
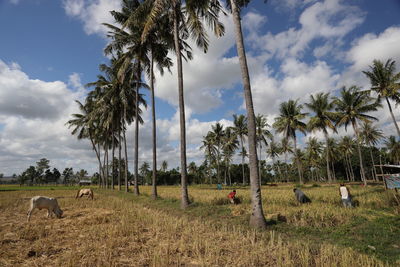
[324, 116]
[353, 105]
[384, 79]
[370, 134]
[289, 120]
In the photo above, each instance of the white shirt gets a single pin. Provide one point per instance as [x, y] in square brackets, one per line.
[344, 192]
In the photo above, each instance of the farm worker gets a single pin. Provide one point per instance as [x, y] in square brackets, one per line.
[219, 187]
[231, 196]
[300, 196]
[346, 197]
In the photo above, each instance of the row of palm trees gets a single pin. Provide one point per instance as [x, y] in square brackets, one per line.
[144, 35]
[351, 107]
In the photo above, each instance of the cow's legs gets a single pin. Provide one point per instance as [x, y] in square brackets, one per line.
[29, 214]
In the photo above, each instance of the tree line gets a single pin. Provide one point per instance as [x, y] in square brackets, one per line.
[145, 34]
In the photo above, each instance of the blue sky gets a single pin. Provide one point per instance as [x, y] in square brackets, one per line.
[50, 49]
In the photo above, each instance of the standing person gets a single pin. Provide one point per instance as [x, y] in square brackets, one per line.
[346, 197]
[232, 197]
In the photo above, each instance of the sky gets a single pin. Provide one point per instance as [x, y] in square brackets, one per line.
[50, 49]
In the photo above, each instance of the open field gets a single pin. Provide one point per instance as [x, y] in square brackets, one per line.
[118, 229]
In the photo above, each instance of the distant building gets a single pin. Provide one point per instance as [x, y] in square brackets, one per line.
[85, 182]
[8, 180]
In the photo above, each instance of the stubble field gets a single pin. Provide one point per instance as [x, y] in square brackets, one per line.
[118, 229]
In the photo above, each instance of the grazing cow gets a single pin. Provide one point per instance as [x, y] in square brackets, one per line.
[48, 203]
[85, 192]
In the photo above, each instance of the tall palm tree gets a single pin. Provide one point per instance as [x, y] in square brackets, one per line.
[385, 83]
[262, 134]
[230, 145]
[286, 147]
[209, 147]
[313, 153]
[164, 166]
[393, 149]
[288, 122]
[187, 20]
[240, 129]
[351, 107]
[273, 151]
[257, 218]
[218, 134]
[346, 148]
[332, 150]
[323, 119]
[371, 136]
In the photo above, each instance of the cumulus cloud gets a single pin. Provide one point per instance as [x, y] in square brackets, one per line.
[92, 13]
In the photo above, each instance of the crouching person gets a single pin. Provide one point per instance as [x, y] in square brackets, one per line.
[345, 195]
[300, 196]
[232, 197]
[48, 203]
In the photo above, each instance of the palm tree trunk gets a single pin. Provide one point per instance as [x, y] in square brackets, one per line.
[119, 159]
[373, 164]
[327, 159]
[257, 218]
[360, 155]
[107, 170]
[136, 191]
[153, 114]
[346, 168]
[112, 157]
[298, 161]
[184, 191]
[126, 165]
[98, 157]
[286, 168]
[393, 118]
[259, 165]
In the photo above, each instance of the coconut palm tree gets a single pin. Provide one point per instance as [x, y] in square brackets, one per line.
[186, 20]
[273, 151]
[346, 147]
[257, 218]
[164, 166]
[288, 122]
[229, 146]
[352, 107]
[371, 136]
[240, 129]
[385, 83]
[217, 134]
[313, 151]
[210, 151]
[323, 118]
[286, 147]
[262, 134]
[393, 149]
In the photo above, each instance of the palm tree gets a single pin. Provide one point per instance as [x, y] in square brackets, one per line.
[371, 136]
[164, 166]
[273, 151]
[217, 134]
[230, 144]
[393, 149]
[313, 153]
[257, 218]
[286, 147]
[385, 82]
[346, 147]
[332, 150]
[288, 122]
[322, 120]
[187, 17]
[351, 107]
[240, 129]
[209, 147]
[262, 134]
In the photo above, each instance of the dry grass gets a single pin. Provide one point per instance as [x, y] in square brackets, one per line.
[119, 231]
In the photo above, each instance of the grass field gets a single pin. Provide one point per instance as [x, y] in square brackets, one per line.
[118, 229]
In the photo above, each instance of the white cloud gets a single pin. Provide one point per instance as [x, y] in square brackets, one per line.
[92, 13]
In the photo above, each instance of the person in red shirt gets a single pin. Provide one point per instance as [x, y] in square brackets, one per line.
[231, 196]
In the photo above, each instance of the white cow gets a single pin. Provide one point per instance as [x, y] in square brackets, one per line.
[85, 192]
[48, 203]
